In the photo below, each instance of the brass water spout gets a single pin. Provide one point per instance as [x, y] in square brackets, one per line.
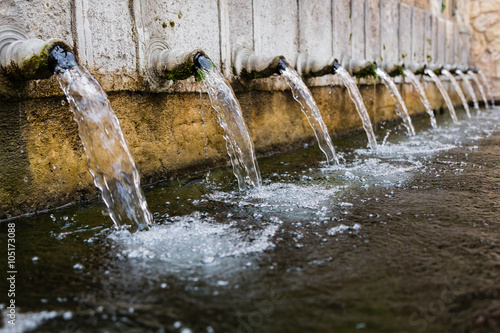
[23, 58]
[248, 65]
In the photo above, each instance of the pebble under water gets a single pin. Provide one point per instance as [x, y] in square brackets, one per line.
[401, 239]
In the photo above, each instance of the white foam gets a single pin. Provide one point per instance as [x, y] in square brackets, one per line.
[27, 321]
[280, 195]
[193, 241]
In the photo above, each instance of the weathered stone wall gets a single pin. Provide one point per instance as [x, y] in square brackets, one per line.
[42, 163]
[485, 21]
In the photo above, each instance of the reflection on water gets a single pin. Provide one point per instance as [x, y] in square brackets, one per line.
[382, 242]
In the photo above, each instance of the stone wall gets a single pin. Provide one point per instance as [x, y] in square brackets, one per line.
[42, 162]
[485, 21]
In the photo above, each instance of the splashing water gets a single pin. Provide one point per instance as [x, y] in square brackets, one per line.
[488, 87]
[445, 95]
[472, 94]
[355, 95]
[421, 92]
[238, 142]
[480, 86]
[110, 161]
[458, 90]
[302, 95]
[401, 109]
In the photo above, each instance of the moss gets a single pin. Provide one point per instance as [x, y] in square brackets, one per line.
[182, 72]
[164, 25]
[367, 71]
[199, 75]
[398, 70]
[172, 24]
[35, 67]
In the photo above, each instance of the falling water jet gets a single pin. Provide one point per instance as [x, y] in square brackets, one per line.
[458, 90]
[480, 86]
[110, 161]
[230, 117]
[311, 67]
[488, 87]
[401, 109]
[355, 95]
[468, 85]
[445, 95]
[421, 92]
[308, 106]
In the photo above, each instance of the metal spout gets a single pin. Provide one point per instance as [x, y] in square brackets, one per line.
[248, 65]
[23, 58]
[336, 66]
[311, 67]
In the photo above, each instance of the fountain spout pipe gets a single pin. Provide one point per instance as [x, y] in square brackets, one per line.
[248, 65]
[312, 67]
[23, 58]
[174, 64]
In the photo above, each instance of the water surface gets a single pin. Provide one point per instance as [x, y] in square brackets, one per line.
[401, 239]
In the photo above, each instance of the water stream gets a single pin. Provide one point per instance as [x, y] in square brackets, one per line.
[109, 159]
[488, 87]
[304, 97]
[421, 92]
[355, 95]
[445, 95]
[230, 117]
[458, 90]
[468, 85]
[401, 109]
[480, 86]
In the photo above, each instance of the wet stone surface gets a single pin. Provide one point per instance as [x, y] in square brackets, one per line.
[404, 239]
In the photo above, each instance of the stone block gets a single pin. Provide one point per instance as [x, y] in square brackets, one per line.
[372, 30]
[418, 36]
[358, 29]
[405, 32]
[450, 42]
[315, 28]
[112, 47]
[429, 44]
[39, 19]
[276, 31]
[389, 30]
[186, 25]
[441, 41]
[341, 12]
[241, 23]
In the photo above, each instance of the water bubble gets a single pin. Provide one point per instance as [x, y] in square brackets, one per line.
[78, 266]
